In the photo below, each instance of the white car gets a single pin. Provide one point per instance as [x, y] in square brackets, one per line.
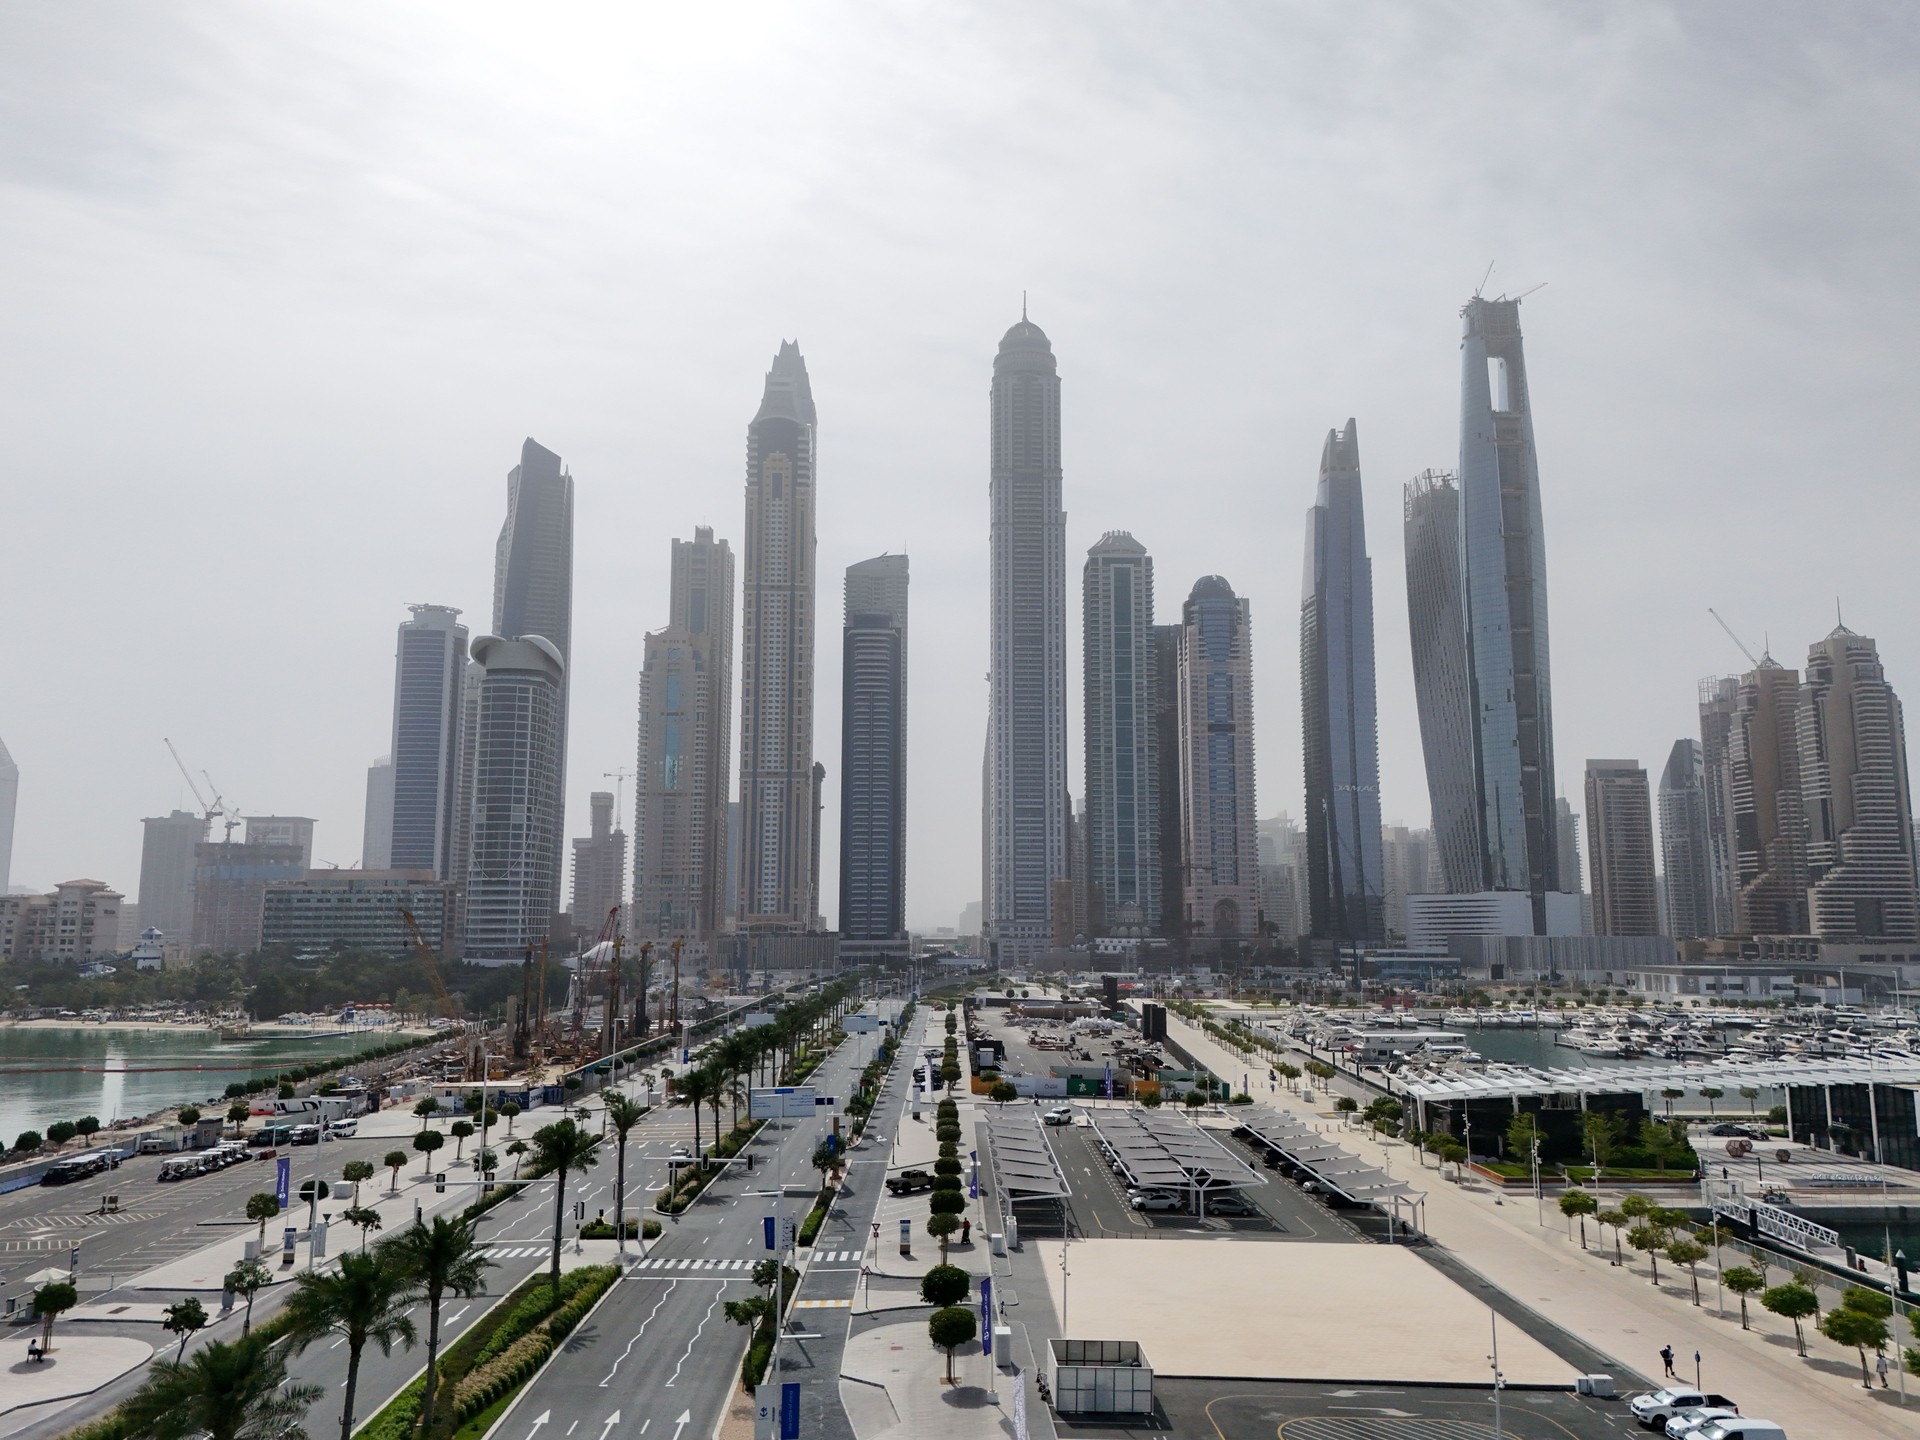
[344, 1128]
[1148, 1200]
[1061, 1115]
[1658, 1406]
[1685, 1422]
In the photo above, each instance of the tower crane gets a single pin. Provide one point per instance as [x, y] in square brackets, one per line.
[431, 965]
[1751, 657]
[218, 805]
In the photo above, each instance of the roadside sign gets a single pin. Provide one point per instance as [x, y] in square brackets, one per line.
[767, 1231]
[906, 1237]
[790, 1411]
[283, 1180]
[986, 1315]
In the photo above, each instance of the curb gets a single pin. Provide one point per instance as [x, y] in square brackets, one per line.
[535, 1378]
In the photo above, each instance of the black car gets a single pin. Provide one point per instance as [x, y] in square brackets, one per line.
[907, 1182]
[1740, 1132]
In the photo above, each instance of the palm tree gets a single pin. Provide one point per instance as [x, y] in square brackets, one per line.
[438, 1259]
[723, 1085]
[560, 1147]
[228, 1391]
[692, 1090]
[517, 1149]
[623, 1113]
[364, 1298]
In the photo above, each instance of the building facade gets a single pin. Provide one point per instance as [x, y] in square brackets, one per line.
[1122, 752]
[429, 667]
[1686, 851]
[1410, 867]
[1027, 706]
[357, 910]
[778, 866]
[513, 878]
[1167, 803]
[1440, 685]
[1504, 590]
[1859, 807]
[1719, 702]
[167, 860]
[533, 596]
[702, 606]
[1620, 849]
[376, 833]
[1340, 722]
[873, 768]
[599, 867]
[1769, 815]
[1218, 832]
[230, 882]
[9, 803]
[77, 923]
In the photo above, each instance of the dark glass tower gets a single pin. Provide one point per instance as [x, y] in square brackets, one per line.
[430, 662]
[1439, 635]
[1504, 576]
[1122, 794]
[1027, 749]
[1345, 884]
[873, 814]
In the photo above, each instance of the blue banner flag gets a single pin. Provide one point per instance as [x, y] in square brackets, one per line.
[790, 1411]
[283, 1180]
[772, 1242]
[986, 1316]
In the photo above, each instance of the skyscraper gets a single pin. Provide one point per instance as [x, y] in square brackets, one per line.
[9, 802]
[1859, 807]
[513, 871]
[682, 865]
[1685, 848]
[1123, 762]
[166, 874]
[1769, 818]
[430, 661]
[1719, 700]
[1218, 830]
[533, 595]
[376, 832]
[1439, 634]
[873, 754]
[1027, 749]
[778, 869]
[1340, 726]
[1504, 575]
[1620, 849]
[1169, 809]
[1408, 864]
[599, 867]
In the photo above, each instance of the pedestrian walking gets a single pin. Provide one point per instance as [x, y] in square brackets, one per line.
[966, 1238]
[1666, 1359]
[1880, 1364]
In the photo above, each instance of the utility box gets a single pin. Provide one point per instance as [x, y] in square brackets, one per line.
[1598, 1386]
[1099, 1377]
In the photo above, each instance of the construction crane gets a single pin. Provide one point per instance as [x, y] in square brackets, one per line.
[431, 964]
[208, 809]
[1751, 657]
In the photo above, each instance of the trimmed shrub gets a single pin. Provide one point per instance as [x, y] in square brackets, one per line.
[947, 1202]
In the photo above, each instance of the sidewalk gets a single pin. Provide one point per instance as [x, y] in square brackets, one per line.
[78, 1365]
[1615, 1308]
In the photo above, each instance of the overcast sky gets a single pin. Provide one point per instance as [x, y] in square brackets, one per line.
[286, 286]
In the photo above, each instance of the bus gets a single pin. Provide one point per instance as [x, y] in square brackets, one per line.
[79, 1167]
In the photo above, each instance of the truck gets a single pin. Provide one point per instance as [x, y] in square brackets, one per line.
[319, 1109]
[163, 1142]
[908, 1182]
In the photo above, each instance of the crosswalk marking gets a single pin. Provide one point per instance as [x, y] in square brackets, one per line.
[684, 1263]
[518, 1252]
[823, 1304]
[829, 1257]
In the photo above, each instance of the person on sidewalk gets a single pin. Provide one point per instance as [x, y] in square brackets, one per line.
[1666, 1359]
[1880, 1364]
[966, 1238]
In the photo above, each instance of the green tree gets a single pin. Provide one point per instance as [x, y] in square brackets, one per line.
[262, 1205]
[1868, 1302]
[1743, 1280]
[1670, 1095]
[1711, 1093]
[462, 1131]
[393, 1160]
[1600, 1129]
[87, 1124]
[1857, 1328]
[623, 1113]
[510, 1109]
[354, 1172]
[1287, 1072]
[426, 1109]
[189, 1115]
[51, 1301]
[694, 1087]
[245, 1280]
[516, 1149]
[485, 1161]
[438, 1259]
[750, 1311]
[1690, 1253]
[1346, 1104]
[366, 1218]
[26, 1142]
[941, 1225]
[949, 1328]
[238, 1112]
[426, 1142]
[1650, 1239]
[363, 1299]
[1794, 1302]
[1522, 1130]
[1750, 1094]
[60, 1132]
[1660, 1140]
[228, 1391]
[1003, 1093]
[562, 1148]
[1578, 1203]
[183, 1318]
[945, 1285]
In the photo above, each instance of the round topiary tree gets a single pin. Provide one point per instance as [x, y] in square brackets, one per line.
[951, 1328]
[947, 1202]
[60, 1132]
[941, 1226]
[426, 1142]
[945, 1285]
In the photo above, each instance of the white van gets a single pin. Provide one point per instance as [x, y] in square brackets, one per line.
[1739, 1427]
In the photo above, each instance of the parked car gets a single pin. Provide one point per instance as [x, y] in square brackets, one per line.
[1741, 1132]
[1152, 1200]
[1657, 1407]
[909, 1182]
[1739, 1427]
[1685, 1422]
[1230, 1203]
[1059, 1115]
[305, 1135]
[343, 1129]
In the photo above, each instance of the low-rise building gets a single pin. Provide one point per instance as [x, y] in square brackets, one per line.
[78, 923]
[357, 910]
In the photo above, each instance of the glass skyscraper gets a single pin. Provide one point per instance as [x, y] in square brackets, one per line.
[1122, 794]
[873, 759]
[430, 661]
[1218, 833]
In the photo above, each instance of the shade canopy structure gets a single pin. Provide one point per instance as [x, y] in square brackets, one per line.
[1337, 1169]
[1158, 1150]
[1023, 1158]
[1512, 1082]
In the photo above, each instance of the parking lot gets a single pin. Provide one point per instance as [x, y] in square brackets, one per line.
[1262, 1410]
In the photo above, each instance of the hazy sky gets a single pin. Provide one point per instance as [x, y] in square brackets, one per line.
[285, 287]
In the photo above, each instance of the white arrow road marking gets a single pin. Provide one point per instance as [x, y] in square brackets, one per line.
[1375, 1410]
[539, 1420]
[686, 1418]
[672, 1285]
[611, 1421]
[696, 1334]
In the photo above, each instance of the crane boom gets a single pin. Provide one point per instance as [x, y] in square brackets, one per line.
[1751, 657]
[432, 966]
[209, 810]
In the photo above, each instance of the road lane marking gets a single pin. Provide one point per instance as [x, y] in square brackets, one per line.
[672, 1286]
[696, 1336]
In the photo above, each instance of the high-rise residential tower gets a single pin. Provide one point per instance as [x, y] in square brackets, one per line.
[166, 874]
[1686, 868]
[1438, 629]
[1859, 807]
[430, 661]
[1168, 806]
[1340, 725]
[1219, 834]
[1769, 818]
[376, 833]
[533, 596]
[9, 802]
[1504, 589]
[682, 864]
[1027, 748]
[777, 862]
[513, 870]
[599, 867]
[1719, 701]
[873, 752]
[1620, 849]
[1409, 864]
[1123, 761]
